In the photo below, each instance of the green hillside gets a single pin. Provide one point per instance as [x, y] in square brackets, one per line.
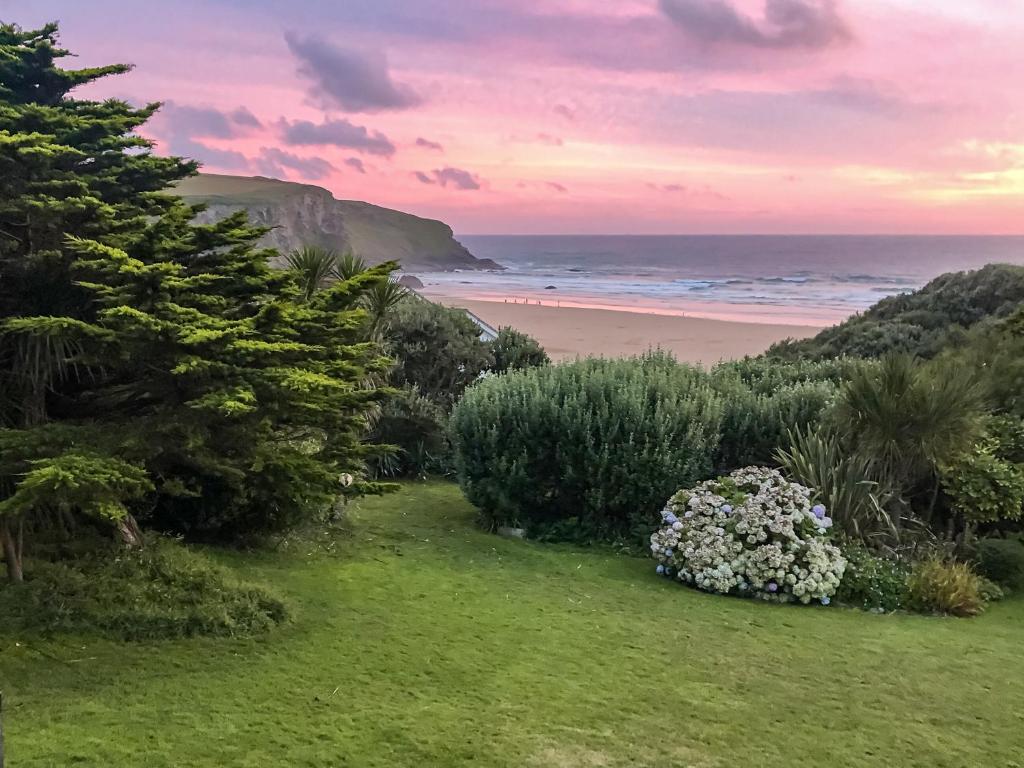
[920, 322]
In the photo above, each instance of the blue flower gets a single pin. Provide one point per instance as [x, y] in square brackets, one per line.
[668, 553]
[727, 509]
[670, 518]
[773, 587]
[818, 510]
[826, 600]
[660, 570]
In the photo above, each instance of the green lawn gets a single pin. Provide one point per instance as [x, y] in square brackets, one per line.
[420, 641]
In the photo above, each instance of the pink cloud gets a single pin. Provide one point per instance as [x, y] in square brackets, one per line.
[678, 115]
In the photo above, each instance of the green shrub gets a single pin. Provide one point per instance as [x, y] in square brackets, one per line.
[983, 488]
[1006, 437]
[437, 350]
[940, 586]
[910, 418]
[587, 450]
[514, 351]
[872, 582]
[764, 399]
[754, 425]
[1001, 561]
[417, 427]
[764, 375]
[161, 591]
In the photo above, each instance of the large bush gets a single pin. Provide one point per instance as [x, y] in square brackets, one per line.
[586, 450]
[752, 533]
[765, 399]
[1001, 561]
[437, 350]
[416, 428]
[514, 350]
[983, 488]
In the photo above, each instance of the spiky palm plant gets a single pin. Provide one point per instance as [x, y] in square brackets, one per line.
[315, 268]
[380, 302]
[846, 482]
[907, 418]
[348, 265]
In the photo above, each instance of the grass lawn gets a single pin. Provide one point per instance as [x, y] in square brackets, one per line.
[421, 641]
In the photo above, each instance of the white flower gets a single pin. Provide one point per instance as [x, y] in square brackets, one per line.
[760, 542]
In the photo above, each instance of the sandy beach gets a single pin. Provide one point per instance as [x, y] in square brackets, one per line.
[568, 332]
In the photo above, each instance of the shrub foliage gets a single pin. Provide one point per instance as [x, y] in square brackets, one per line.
[920, 323]
[1001, 561]
[871, 581]
[586, 450]
[150, 365]
[160, 591]
[942, 586]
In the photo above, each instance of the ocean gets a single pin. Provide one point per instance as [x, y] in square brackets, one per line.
[803, 279]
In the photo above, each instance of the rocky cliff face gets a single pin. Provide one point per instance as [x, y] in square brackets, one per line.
[303, 214]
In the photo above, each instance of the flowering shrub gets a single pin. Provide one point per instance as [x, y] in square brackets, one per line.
[751, 533]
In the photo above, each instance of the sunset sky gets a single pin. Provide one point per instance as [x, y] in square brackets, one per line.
[591, 116]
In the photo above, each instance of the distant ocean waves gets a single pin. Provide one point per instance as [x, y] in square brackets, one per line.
[793, 299]
[812, 280]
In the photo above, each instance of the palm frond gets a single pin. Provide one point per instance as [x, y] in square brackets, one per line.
[314, 267]
[846, 483]
[349, 265]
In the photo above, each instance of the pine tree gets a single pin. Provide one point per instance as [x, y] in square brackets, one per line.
[147, 363]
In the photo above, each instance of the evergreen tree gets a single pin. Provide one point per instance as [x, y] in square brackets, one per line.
[148, 363]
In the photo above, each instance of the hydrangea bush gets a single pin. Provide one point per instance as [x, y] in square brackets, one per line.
[751, 533]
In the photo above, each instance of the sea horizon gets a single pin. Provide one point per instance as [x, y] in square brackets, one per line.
[804, 279]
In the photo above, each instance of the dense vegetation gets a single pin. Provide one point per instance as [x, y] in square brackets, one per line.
[591, 450]
[921, 322]
[587, 450]
[920, 463]
[154, 373]
[162, 590]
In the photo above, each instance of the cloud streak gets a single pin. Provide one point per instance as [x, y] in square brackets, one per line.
[456, 178]
[349, 79]
[787, 24]
[428, 144]
[356, 163]
[337, 133]
[208, 122]
[276, 162]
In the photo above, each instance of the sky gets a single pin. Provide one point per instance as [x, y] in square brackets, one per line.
[590, 116]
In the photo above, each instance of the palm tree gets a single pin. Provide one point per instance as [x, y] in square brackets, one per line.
[908, 418]
[315, 267]
[380, 302]
[349, 265]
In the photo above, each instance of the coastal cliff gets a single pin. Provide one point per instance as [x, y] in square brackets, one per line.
[304, 214]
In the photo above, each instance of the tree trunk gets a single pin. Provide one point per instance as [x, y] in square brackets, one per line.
[11, 554]
[131, 534]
